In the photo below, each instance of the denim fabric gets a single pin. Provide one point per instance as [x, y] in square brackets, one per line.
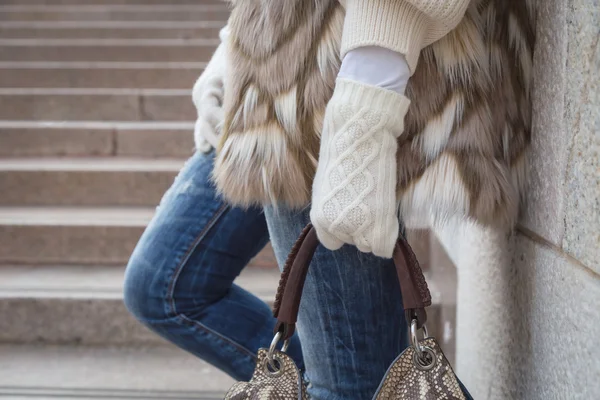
[179, 281]
[351, 321]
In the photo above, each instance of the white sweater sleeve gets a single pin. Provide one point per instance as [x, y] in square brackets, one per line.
[404, 26]
[207, 95]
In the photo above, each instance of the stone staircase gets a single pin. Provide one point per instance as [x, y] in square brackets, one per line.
[96, 120]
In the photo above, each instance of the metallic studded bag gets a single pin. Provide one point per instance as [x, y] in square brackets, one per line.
[421, 372]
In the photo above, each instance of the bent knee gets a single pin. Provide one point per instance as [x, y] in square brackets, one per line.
[155, 290]
[143, 294]
[150, 297]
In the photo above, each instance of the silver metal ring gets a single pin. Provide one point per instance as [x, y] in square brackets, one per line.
[271, 368]
[271, 356]
[414, 338]
[425, 360]
[274, 342]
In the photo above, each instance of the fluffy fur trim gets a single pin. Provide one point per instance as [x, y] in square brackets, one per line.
[284, 57]
[466, 132]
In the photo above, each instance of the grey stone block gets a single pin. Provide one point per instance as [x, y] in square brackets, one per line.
[75, 236]
[558, 313]
[84, 304]
[160, 12]
[103, 2]
[545, 209]
[51, 139]
[45, 106]
[71, 321]
[110, 31]
[109, 51]
[67, 244]
[168, 108]
[85, 373]
[155, 143]
[96, 105]
[70, 235]
[47, 141]
[522, 308]
[99, 77]
[582, 187]
[563, 205]
[85, 182]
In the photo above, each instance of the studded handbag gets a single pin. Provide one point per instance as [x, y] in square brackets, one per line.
[420, 372]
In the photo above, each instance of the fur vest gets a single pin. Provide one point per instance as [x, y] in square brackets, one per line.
[462, 153]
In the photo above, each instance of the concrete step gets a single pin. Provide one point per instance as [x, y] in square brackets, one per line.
[76, 236]
[85, 181]
[111, 12]
[84, 304]
[103, 373]
[97, 104]
[110, 29]
[35, 74]
[83, 139]
[104, 236]
[137, 50]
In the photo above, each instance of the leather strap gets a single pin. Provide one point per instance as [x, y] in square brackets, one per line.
[415, 293]
[287, 268]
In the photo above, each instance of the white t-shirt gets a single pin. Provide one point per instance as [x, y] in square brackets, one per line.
[376, 66]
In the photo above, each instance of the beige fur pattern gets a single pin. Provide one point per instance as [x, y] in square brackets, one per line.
[283, 64]
[466, 131]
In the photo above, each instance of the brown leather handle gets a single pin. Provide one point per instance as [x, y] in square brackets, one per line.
[415, 293]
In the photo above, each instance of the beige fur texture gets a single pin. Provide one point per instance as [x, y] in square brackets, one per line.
[466, 132]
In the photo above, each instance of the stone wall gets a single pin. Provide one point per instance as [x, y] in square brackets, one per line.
[529, 306]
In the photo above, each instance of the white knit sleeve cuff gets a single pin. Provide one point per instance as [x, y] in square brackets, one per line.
[393, 24]
[362, 96]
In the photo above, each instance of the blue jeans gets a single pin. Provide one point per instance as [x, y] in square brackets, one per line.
[179, 283]
[179, 280]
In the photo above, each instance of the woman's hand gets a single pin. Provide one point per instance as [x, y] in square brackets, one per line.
[354, 191]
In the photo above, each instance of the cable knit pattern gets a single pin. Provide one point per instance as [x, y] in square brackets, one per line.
[354, 191]
[405, 26]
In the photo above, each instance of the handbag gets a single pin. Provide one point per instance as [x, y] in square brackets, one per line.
[420, 372]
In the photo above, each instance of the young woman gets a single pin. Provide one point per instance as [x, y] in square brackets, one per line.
[356, 108]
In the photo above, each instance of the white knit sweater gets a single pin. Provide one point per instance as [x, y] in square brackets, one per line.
[405, 26]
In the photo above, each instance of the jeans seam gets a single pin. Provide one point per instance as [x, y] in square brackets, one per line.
[177, 271]
[171, 287]
[241, 349]
[182, 319]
